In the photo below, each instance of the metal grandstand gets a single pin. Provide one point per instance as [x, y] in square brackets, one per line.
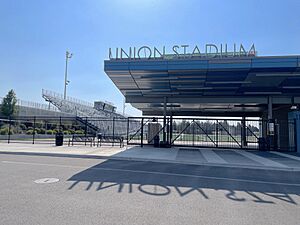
[97, 120]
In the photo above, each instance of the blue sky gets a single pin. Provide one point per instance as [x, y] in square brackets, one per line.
[34, 35]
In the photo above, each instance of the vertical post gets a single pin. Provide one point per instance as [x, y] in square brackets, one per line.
[171, 128]
[270, 112]
[68, 56]
[66, 74]
[270, 125]
[164, 122]
[168, 131]
[243, 133]
[33, 135]
[217, 134]
[60, 125]
[85, 130]
[113, 127]
[127, 129]
[296, 135]
[193, 129]
[142, 133]
[9, 128]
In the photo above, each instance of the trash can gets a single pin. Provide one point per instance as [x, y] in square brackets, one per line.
[59, 139]
[156, 141]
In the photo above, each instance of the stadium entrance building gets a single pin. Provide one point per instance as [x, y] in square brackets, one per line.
[217, 81]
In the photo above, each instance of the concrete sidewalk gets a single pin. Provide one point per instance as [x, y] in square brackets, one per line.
[212, 157]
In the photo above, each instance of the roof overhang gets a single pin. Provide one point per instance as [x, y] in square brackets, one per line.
[197, 86]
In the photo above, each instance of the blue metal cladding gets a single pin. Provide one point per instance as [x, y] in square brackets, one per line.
[204, 64]
[274, 62]
[119, 65]
[228, 76]
[188, 65]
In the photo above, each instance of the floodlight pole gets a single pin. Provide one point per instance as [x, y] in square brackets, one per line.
[68, 56]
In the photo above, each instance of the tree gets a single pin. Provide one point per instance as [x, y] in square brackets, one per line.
[9, 104]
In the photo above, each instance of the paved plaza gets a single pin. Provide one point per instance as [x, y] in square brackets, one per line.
[195, 156]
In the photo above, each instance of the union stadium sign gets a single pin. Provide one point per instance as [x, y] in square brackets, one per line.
[182, 51]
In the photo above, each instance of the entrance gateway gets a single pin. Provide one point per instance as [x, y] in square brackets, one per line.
[176, 90]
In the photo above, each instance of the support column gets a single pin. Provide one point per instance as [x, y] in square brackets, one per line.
[270, 112]
[271, 136]
[263, 126]
[282, 127]
[244, 132]
[165, 117]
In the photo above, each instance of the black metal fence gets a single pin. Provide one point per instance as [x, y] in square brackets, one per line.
[215, 133]
[43, 129]
[190, 132]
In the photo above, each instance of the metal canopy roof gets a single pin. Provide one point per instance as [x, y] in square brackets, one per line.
[201, 86]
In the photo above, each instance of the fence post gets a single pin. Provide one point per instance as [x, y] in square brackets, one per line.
[85, 132]
[113, 127]
[9, 128]
[33, 134]
[171, 129]
[295, 148]
[142, 133]
[217, 134]
[127, 129]
[168, 127]
[60, 124]
[193, 128]
[243, 133]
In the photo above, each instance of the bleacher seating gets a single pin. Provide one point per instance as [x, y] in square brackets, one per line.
[97, 120]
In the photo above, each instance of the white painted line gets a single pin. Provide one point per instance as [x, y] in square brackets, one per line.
[212, 157]
[260, 159]
[158, 173]
[46, 181]
[287, 156]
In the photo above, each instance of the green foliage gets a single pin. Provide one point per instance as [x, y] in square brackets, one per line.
[66, 132]
[30, 132]
[9, 104]
[42, 131]
[79, 132]
[23, 126]
[4, 131]
[71, 131]
[39, 130]
[39, 124]
[50, 132]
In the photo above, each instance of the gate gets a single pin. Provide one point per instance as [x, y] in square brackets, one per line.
[216, 133]
[212, 133]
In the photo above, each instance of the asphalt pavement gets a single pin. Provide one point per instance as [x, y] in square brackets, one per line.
[109, 191]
